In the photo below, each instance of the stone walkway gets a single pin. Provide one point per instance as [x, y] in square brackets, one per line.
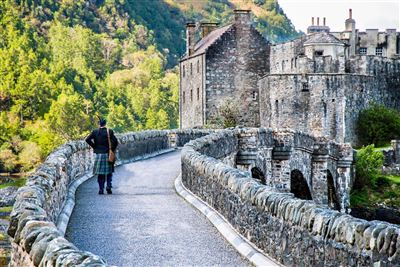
[145, 223]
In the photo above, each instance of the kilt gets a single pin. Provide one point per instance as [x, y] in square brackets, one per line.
[101, 165]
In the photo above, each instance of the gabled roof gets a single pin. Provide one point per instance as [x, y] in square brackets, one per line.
[204, 43]
[322, 38]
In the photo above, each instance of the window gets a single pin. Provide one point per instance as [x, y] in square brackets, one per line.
[363, 50]
[191, 95]
[191, 69]
[183, 98]
[198, 93]
[379, 51]
[319, 53]
[305, 87]
[183, 71]
[254, 95]
[283, 65]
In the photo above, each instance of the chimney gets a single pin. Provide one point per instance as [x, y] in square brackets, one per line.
[317, 21]
[312, 21]
[350, 13]
[207, 27]
[324, 21]
[190, 38]
[242, 16]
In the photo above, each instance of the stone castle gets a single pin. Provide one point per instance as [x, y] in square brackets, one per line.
[317, 83]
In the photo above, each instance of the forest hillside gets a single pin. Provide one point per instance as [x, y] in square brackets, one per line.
[64, 62]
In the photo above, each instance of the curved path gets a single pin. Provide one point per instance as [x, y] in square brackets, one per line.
[145, 223]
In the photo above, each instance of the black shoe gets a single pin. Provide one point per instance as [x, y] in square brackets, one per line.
[109, 191]
[101, 192]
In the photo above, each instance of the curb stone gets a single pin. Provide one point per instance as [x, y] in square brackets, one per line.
[240, 243]
[69, 203]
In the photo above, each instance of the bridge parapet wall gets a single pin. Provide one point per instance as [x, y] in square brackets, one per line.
[36, 241]
[295, 232]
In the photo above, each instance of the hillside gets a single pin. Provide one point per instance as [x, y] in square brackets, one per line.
[64, 62]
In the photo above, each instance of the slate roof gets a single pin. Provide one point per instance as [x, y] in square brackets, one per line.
[322, 38]
[204, 43]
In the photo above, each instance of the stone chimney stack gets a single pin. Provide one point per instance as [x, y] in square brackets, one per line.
[324, 21]
[242, 16]
[350, 26]
[190, 38]
[207, 27]
[317, 21]
[312, 21]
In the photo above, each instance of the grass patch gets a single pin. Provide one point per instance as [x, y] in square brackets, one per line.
[16, 182]
[6, 209]
[386, 191]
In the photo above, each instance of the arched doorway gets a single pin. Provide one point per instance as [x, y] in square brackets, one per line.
[257, 174]
[333, 200]
[299, 186]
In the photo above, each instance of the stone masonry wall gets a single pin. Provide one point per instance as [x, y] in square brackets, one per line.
[233, 67]
[191, 92]
[328, 107]
[294, 232]
[36, 241]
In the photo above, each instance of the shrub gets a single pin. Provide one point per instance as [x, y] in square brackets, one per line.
[378, 125]
[8, 160]
[368, 164]
[229, 112]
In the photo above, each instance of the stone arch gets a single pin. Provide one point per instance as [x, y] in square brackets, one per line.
[257, 174]
[299, 186]
[333, 200]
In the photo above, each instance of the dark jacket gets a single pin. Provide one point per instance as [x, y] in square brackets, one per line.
[97, 139]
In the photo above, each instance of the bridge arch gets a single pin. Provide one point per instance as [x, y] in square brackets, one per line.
[333, 200]
[299, 186]
[258, 174]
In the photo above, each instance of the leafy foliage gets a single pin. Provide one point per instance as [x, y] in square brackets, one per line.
[368, 163]
[378, 125]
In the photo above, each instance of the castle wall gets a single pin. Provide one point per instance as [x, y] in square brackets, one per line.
[234, 65]
[321, 104]
[192, 92]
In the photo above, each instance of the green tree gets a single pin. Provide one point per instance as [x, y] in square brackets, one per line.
[67, 117]
[378, 125]
[368, 164]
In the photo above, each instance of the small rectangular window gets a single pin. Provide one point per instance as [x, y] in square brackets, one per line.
[305, 87]
[191, 95]
[319, 53]
[363, 50]
[183, 71]
[198, 66]
[254, 95]
[191, 69]
[198, 93]
[183, 97]
[379, 51]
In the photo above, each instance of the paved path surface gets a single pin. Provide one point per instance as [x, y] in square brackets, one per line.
[145, 223]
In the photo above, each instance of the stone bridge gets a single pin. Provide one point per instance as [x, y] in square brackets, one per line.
[277, 189]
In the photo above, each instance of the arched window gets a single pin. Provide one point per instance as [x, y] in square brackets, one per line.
[333, 200]
[257, 174]
[299, 186]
